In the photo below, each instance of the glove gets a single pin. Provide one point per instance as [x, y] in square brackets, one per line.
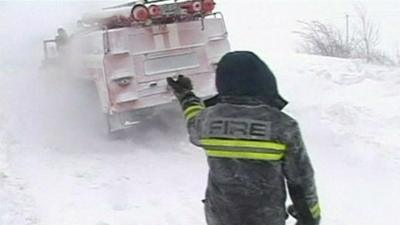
[292, 211]
[181, 86]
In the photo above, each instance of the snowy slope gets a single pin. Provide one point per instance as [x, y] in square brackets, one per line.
[350, 117]
[57, 166]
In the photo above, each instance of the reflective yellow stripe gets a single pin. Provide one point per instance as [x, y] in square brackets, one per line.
[191, 115]
[243, 143]
[244, 155]
[192, 111]
[193, 108]
[315, 210]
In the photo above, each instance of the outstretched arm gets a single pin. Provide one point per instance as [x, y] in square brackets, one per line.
[192, 105]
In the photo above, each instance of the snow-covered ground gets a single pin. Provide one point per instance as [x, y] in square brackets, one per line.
[57, 166]
[349, 113]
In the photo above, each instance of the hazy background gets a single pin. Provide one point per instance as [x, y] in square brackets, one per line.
[269, 28]
[57, 165]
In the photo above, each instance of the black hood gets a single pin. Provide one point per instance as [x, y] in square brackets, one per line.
[242, 73]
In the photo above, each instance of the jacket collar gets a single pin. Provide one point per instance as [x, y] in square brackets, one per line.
[276, 102]
[240, 100]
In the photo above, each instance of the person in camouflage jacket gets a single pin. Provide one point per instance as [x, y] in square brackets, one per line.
[253, 149]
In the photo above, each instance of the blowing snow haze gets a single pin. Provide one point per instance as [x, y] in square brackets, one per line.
[25, 24]
[269, 23]
[58, 167]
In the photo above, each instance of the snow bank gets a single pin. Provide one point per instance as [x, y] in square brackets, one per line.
[349, 114]
[57, 166]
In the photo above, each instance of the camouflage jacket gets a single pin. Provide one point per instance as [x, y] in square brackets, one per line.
[253, 149]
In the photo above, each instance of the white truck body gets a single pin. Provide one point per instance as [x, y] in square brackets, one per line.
[129, 65]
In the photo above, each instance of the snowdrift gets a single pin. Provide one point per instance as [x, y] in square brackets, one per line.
[58, 166]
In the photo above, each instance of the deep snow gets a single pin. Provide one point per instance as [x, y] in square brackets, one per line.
[57, 166]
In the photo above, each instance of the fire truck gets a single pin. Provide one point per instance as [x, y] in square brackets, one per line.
[128, 51]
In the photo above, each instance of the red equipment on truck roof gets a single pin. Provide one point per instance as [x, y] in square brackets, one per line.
[129, 50]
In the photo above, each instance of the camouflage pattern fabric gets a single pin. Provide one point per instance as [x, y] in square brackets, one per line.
[254, 152]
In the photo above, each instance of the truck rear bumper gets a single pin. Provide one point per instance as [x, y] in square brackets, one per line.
[122, 120]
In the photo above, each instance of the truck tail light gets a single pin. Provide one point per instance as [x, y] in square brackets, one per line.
[140, 13]
[154, 10]
[124, 81]
[208, 5]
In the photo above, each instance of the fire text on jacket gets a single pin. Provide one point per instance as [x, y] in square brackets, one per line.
[247, 129]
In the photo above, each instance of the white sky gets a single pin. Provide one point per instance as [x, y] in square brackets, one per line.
[277, 19]
[252, 24]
